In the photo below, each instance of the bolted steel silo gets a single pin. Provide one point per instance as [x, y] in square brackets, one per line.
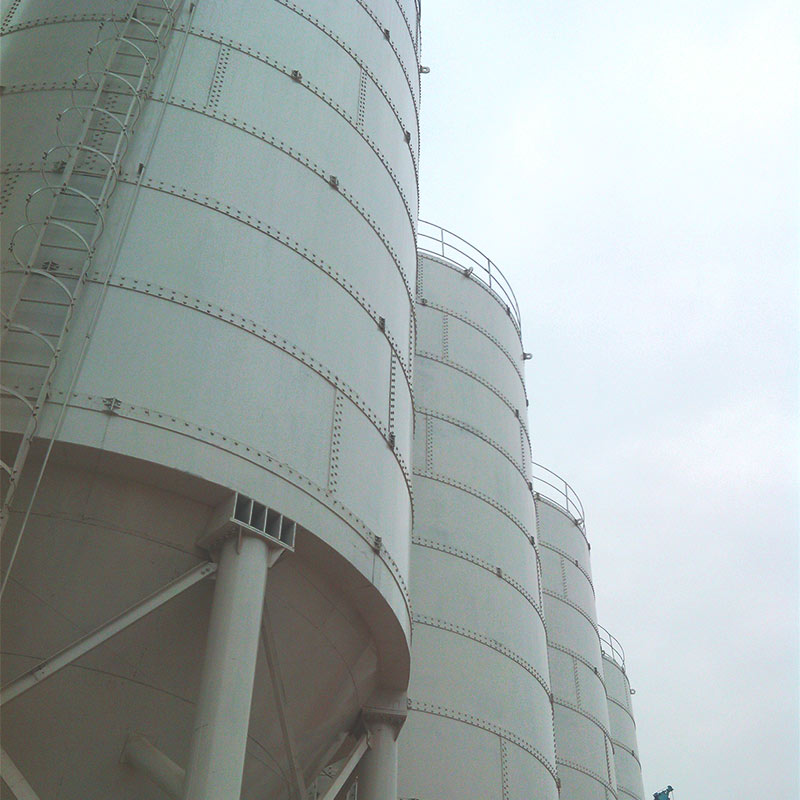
[584, 751]
[208, 328]
[480, 713]
[623, 724]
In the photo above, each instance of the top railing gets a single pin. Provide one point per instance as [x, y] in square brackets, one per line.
[441, 242]
[553, 487]
[611, 648]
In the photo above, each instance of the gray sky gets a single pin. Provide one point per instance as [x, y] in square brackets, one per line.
[632, 166]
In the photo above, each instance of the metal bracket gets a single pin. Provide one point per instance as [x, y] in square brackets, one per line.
[111, 405]
[240, 515]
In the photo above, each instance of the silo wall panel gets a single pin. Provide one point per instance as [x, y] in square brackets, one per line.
[581, 719]
[379, 122]
[467, 672]
[587, 752]
[623, 726]
[448, 289]
[500, 480]
[569, 628]
[623, 729]
[479, 675]
[471, 611]
[475, 351]
[432, 741]
[575, 585]
[191, 349]
[563, 535]
[575, 682]
[242, 178]
[477, 530]
[479, 407]
[53, 64]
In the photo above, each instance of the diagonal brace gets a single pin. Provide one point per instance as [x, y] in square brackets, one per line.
[347, 768]
[273, 666]
[14, 779]
[91, 640]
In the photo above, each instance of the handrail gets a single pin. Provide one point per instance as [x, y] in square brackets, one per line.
[442, 242]
[611, 648]
[559, 491]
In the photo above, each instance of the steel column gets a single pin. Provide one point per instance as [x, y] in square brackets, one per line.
[219, 738]
[377, 772]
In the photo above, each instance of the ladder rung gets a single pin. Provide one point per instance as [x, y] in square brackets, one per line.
[119, 73]
[91, 222]
[35, 333]
[44, 302]
[65, 247]
[96, 151]
[24, 363]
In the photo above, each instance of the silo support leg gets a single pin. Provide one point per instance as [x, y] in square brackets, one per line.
[377, 772]
[222, 715]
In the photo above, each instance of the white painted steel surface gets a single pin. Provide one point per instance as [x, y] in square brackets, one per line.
[480, 719]
[222, 713]
[623, 723]
[377, 770]
[246, 324]
[583, 741]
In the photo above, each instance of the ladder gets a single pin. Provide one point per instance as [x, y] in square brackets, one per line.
[53, 250]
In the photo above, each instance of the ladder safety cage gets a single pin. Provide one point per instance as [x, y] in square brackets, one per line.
[53, 250]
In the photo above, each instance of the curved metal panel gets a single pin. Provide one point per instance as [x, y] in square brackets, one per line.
[479, 653]
[581, 720]
[623, 725]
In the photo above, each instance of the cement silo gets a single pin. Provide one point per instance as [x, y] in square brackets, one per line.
[583, 740]
[208, 334]
[623, 724]
[480, 714]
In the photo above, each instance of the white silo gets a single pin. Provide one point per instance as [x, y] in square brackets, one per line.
[208, 335]
[480, 714]
[623, 724]
[584, 751]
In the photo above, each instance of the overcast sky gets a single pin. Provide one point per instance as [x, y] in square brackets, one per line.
[632, 166]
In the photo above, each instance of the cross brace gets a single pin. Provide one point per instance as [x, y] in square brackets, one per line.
[91, 640]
